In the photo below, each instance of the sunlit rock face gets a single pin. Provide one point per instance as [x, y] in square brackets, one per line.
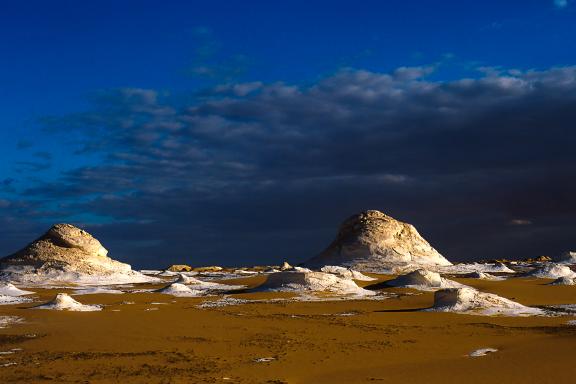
[64, 252]
[372, 241]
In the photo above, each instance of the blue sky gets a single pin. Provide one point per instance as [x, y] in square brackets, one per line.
[61, 58]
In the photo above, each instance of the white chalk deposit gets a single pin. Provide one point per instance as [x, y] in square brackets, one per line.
[470, 301]
[423, 280]
[63, 302]
[375, 242]
[308, 281]
[67, 254]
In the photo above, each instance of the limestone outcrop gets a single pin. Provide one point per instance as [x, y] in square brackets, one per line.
[373, 241]
[66, 253]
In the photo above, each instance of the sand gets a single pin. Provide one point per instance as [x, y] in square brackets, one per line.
[360, 341]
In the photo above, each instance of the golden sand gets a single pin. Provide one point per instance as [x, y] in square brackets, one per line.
[362, 341]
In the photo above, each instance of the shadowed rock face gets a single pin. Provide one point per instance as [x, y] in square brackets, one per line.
[372, 240]
[64, 248]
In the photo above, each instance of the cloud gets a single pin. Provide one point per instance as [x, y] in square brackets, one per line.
[260, 172]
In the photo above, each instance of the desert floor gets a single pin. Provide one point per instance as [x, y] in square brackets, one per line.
[163, 339]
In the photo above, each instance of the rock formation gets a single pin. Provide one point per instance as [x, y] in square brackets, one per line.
[302, 281]
[178, 289]
[373, 242]
[472, 301]
[63, 302]
[346, 273]
[552, 271]
[422, 279]
[66, 253]
[179, 268]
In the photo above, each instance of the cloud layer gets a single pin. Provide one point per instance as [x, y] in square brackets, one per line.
[253, 172]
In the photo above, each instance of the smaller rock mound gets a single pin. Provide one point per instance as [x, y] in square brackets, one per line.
[471, 301]
[177, 289]
[285, 266]
[8, 289]
[184, 279]
[179, 268]
[205, 285]
[308, 281]
[564, 280]
[63, 302]
[422, 279]
[482, 276]
[568, 257]
[346, 273]
[460, 269]
[552, 271]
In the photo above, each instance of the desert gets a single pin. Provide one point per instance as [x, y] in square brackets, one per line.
[69, 315]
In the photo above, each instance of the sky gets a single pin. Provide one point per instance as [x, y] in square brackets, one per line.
[239, 133]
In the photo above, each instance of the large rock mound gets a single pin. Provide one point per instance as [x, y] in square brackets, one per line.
[373, 241]
[65, 253]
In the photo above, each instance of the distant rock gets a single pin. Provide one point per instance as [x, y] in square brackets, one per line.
[67, 254]
[373, 241]
[179, 268]
[422, 279]
[302, 281]
[346, 273]
[285, 266]
[212, 268]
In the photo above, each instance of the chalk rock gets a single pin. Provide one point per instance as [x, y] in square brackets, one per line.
[66, 253]
[372, 241]
[422, 279]
[302, 281]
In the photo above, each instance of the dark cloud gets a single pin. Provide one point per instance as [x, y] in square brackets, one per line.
[258, 172]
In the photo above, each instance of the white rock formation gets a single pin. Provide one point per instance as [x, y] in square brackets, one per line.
[308, 281]
[346, 273]
[198, 284]
[552, 271]
[285, 266]
[67, 254]
[471, 301]
[482, 276]
[568, 257]
[461, 269]
[8, 289]
[181, 290]
[63, 302]
[423, 280]
[373, 242]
